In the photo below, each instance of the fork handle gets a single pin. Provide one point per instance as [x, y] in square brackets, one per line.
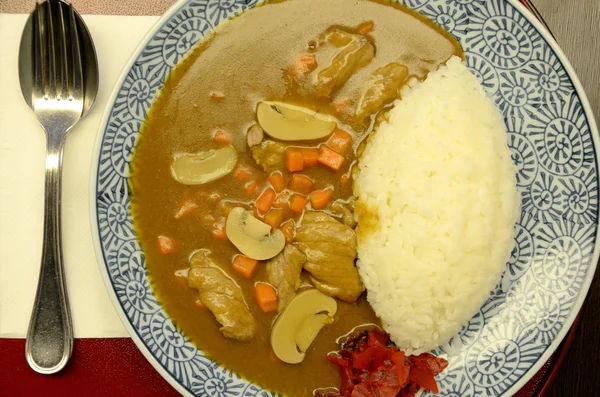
[50, 334]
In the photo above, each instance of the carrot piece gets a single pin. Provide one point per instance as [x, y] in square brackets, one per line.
[340, 141]
[282, 200]
[244, 265]
[222, 138]
[274, 218]
[294, 160]
[242, 174]
[301, 184]
[297, 203]
[250, 188]
[344, 179]
[310, 156]
[166, 245]
[320, 198]
[330, 158]
[185, 209]
[265, 200]
[289, 230]
[305, 64]
[266, 297]
[366, 28]
[218, 229]
[276, 180]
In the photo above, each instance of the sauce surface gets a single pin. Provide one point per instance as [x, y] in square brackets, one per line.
[245, 61]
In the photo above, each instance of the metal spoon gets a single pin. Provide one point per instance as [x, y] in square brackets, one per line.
[58, 72]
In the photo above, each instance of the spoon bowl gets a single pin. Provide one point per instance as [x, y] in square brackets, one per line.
[89, 62]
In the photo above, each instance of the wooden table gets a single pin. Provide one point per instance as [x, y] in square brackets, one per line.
[576, 26]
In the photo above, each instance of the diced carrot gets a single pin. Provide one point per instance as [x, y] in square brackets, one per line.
[166, 245]
[244, 265]
[297, 203]
[340, 141]
[266, 297]
[222, 138]
[242, 173]
[218, 229]
[310, 156]
[301, 184]
[330, 158]
[294, 160]
[274, 218]
[305, 64]
[289, 230]
[366, 28]
[282, 200]
[217, 96]
[265, 200]
[320, 198]
[250, 188]
[276, 180]
[185, 209]
[344, 179]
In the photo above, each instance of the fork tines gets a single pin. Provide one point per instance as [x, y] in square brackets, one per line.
[57, 52]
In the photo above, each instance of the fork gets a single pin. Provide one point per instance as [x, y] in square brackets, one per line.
[58, 101]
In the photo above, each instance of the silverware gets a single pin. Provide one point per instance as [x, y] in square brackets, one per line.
[58, 72]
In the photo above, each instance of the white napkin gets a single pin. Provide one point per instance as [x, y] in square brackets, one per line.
[22, 157]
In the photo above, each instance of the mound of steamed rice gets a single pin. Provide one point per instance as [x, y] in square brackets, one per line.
[436, 204]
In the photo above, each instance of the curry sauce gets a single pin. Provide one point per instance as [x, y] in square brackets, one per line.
[217, 87]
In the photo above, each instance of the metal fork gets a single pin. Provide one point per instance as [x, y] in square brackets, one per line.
[57, 98]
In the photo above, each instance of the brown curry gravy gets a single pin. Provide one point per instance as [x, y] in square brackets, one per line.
[245, 60]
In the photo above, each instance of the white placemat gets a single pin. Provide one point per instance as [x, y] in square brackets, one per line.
[22, 157]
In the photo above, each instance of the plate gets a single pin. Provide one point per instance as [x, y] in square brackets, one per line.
[552, 137]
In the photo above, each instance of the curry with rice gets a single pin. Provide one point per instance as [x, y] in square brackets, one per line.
[242, 180]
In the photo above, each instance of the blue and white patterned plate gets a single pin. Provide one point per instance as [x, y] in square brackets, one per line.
[553, 139]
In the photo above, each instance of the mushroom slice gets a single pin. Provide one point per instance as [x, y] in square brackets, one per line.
[204, 167]
[299, 324]
[310, 329]
[253, 238]
[293, 123]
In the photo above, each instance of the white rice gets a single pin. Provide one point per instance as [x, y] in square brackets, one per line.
[437, 201]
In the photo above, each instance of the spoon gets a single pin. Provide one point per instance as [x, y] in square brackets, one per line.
[58, 72]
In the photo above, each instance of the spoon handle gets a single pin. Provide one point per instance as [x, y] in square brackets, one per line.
[50, 334]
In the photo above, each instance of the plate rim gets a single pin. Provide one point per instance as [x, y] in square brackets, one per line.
[166, 16]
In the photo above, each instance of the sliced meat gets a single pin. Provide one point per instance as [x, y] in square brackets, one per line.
[355, 52]
[269, 155]
[255, 135]
[284, 273]
[343, 211]
[330, 249]
[222, 296]
[381, 89]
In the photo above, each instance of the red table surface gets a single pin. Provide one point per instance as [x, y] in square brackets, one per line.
[115, 367]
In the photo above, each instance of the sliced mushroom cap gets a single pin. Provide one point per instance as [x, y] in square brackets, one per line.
[299, 324]
[293, 123]
[204, 167]
[253, 238]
